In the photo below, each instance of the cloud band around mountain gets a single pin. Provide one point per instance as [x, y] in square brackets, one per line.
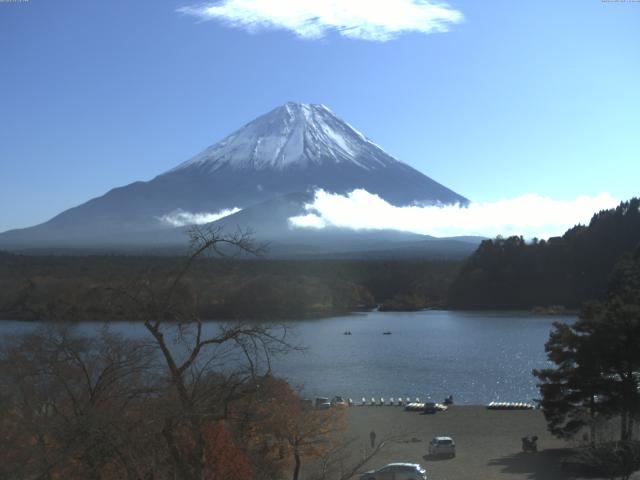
[181, 218]
[375, 20]
[528, 215]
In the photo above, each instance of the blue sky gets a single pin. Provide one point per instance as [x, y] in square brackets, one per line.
[517, 97]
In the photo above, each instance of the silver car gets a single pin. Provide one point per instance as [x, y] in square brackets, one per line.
[442, 446]
[397, 471]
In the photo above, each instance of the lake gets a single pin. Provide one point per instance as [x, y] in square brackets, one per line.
[476, 356]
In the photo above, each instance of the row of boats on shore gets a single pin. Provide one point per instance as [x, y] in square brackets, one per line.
[387, 332]
[510, 406]
[402, 402]
[338, 401]
[414, 405]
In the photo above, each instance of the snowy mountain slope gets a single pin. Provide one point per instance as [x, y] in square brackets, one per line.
[295, 148]
[299, 147]
[293, 134]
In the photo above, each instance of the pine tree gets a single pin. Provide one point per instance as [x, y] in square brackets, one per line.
[597, 361]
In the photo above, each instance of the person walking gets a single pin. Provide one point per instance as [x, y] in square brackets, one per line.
[372, 437]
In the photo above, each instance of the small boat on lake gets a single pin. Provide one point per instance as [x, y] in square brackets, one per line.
[386, 333]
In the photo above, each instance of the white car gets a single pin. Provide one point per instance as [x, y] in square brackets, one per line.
[338, 401]
[397, 471]
[442, 446]
[322, 403]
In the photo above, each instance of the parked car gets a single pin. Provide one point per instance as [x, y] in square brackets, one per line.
[397, 471]
[338, 401]
[322, 403]
[442, 446]
[430, 407]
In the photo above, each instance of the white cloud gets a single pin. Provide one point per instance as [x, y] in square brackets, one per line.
[378, 20]
[181, 218]
[528, 215]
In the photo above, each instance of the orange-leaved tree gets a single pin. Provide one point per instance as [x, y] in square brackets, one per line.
[224, 459]
[292, 427]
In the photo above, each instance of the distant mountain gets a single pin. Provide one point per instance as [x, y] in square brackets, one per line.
[280, 157]
[271, 220]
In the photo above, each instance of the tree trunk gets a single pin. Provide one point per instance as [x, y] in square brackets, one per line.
[182, 468]
[624, 426]
[296, 469]
[593, 426]
[198, 468]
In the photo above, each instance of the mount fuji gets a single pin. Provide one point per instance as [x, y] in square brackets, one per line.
[268, 169]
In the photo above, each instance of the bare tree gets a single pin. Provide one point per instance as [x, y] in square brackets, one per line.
[208, 366]
[106, 407]
[347, 455]
[72, 406]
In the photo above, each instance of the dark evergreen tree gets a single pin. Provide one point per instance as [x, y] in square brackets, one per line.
[569, 270]
[597, 360]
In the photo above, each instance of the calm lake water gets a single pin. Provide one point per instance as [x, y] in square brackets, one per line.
[476, 356]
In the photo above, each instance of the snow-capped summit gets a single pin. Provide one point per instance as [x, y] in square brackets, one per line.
[297, 147]
[285, 154]
[294, 134]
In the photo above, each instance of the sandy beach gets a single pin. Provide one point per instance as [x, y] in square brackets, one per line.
[488, 442]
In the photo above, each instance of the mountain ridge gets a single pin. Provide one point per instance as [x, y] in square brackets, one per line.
[306, 134]
[293, 149]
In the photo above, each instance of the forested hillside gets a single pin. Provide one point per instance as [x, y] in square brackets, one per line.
[81, 287]
[509, 273]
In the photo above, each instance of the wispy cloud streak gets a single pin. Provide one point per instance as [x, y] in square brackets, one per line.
[528, 215]
[376, 20]
[181, 218]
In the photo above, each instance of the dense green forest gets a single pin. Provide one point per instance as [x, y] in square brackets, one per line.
[510, 273]
[81, 287]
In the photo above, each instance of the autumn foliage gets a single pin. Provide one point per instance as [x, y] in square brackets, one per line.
[294, 429]
[224, 460]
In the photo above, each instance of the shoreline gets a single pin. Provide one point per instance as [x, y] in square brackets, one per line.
[307, 315]
[488, 442]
